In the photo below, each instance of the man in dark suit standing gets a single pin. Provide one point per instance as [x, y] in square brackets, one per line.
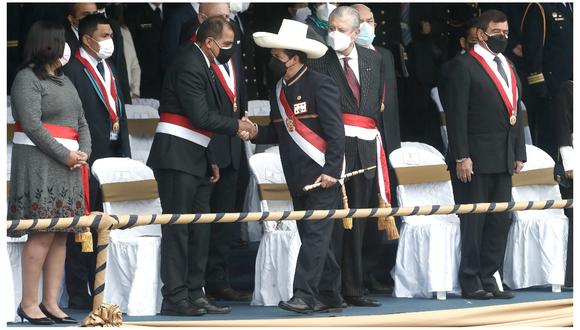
[182, 163]
[174, 16]
[358, 72]
[144, 21]
[77, 11]
[95, 80]
[373, 249]
[486, 147]
[306, 121]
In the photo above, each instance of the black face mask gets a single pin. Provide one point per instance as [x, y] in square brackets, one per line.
[224, 55]
[497, 43]
[277, 68]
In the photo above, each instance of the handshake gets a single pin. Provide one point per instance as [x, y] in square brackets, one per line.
[246, 129]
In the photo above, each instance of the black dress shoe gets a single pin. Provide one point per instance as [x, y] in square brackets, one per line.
[501, 294]
[37, 321]
[478, 295]
[297, 305]
[181, 308]
[202, 302]
[229, 294]
[362, 302]
[64, 320]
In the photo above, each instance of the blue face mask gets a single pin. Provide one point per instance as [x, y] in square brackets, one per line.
[367, 35]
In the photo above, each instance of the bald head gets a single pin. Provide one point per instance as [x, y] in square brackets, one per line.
[213, 9]
[365, 13]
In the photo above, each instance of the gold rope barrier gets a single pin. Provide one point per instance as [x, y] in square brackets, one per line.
[110, 315]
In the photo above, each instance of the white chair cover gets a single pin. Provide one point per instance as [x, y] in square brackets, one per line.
[537, 242]
[141, 143]
[133, 280]
[280, 244]
[428, 255]
[256, 108]
[437, 100]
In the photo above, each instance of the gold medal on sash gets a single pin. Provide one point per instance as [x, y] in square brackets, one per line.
[382, 107]
[235, 106]
[116, 127]
[513, 120]
[290, 124]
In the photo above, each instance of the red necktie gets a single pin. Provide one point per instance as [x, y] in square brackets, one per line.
[351, 79]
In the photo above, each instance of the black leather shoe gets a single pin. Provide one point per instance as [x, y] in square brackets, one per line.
[37, 321]
[297, 305]
[64, 320]
[322, 308]
[181, 308]
[502, 294]
[229, 294]
[362, 302]
[210, 308]
[478, 295]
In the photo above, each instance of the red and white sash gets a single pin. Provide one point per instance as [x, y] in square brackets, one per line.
[109, 94]
[310, 142]
[69, 138]
[228, 81]
[365, 128]
[180, 126]
[510, 106]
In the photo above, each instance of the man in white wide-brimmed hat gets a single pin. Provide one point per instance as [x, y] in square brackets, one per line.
[305, 120]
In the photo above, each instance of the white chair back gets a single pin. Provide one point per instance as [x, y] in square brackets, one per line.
[259, 109]
[117, 170]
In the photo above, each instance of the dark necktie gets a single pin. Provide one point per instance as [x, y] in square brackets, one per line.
[351, 79]
[227, 67]
[501, 70]
[158, 13]
[101, 69]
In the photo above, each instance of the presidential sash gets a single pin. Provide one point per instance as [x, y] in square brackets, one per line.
[180, 126]
[229, 85]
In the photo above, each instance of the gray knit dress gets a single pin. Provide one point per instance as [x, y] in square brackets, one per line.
[41, 184]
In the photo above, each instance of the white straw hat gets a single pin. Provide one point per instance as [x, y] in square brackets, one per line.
[292, 35]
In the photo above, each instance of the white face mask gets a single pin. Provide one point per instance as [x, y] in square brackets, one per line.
[238, 7]
[302, 14]
[65, 55]
[324, 10]
[338, 41]
[106, 48]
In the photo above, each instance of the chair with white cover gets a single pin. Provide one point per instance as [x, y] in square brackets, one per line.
[537, 241]
[259, 113]
[428, 254]
[142, 119]
[133, 280]
[280, 244]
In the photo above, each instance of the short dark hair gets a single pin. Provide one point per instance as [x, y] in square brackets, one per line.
[44, 45]
[468, 25]
[492, 15]
[212, 27]
[292, 52]
[89, 24]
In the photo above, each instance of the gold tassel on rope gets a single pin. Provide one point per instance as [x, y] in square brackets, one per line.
[107, 315]
[346, 222]
[86, 240]
[387, 223]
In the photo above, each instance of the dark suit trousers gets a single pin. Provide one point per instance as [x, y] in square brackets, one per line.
[317, 274]
[362, 193]
[80, 266]
[223, 199]
[483, 236]
[184, 248]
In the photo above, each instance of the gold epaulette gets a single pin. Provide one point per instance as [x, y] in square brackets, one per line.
[535, 78]
[12, 43]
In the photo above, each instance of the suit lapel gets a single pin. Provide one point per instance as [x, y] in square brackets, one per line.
[210, 79]
[337, 71]
[364, 71]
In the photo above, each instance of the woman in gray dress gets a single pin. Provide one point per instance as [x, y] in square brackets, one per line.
[51, 147]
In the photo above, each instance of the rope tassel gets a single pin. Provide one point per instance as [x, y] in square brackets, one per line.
[346, 222]
[86, 240]
[387, 223]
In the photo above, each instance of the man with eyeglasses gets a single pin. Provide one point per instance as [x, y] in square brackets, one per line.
[486, 147]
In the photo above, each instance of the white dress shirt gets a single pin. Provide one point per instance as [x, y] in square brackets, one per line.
[353, 62]
[488, 57]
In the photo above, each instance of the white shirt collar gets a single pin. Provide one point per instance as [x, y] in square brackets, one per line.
[88, 57]
[353, 54]
[195, 6]
[75, 31]
[205, 57]
[153, 7]
[487, 55]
